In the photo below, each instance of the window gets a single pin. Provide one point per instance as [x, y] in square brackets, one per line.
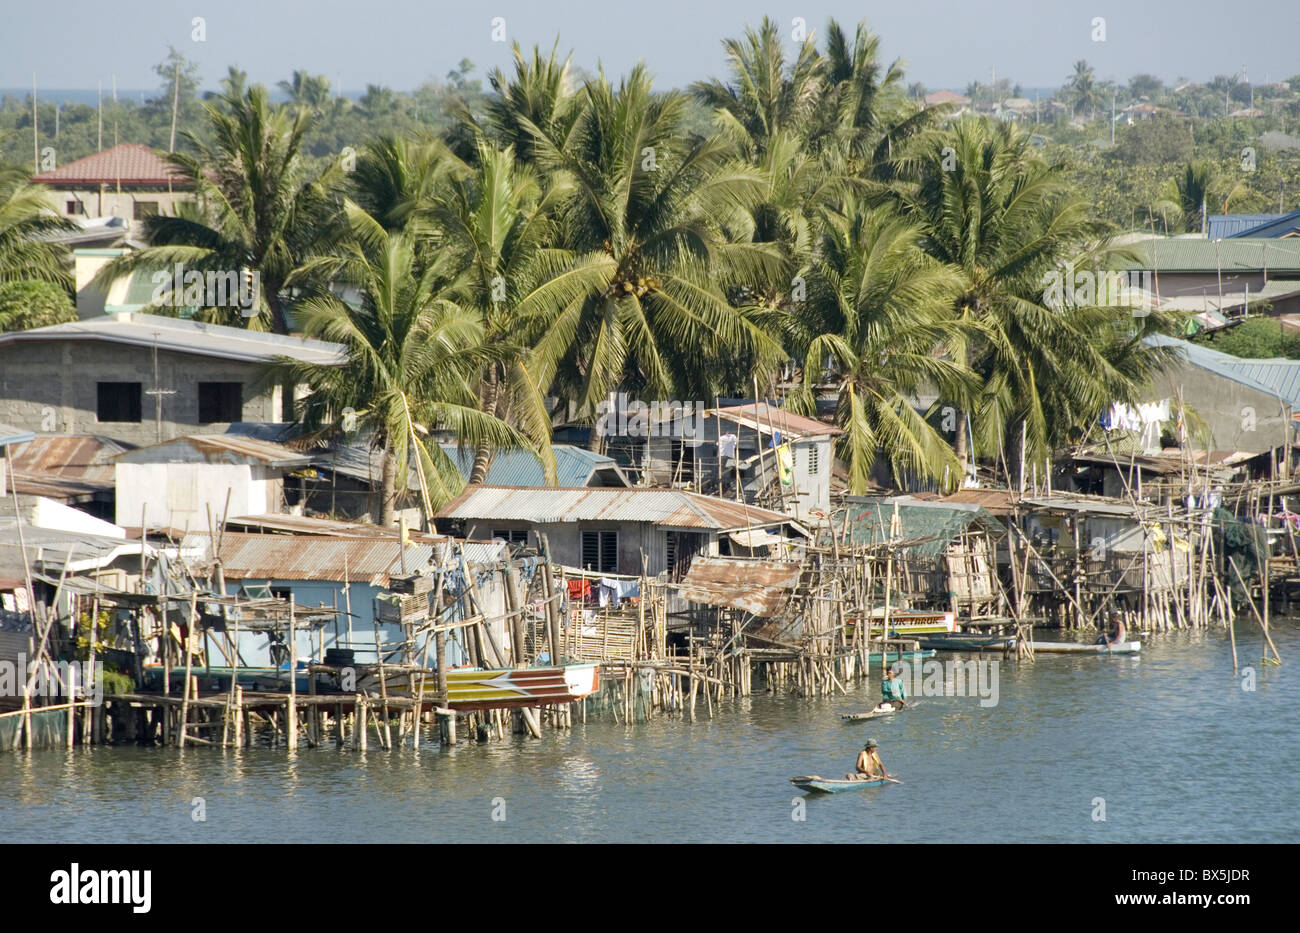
[600, 551]
[76, 207]
[143, 209]
[813, 460]
[118, 401]
[511, 535]
[221, 401]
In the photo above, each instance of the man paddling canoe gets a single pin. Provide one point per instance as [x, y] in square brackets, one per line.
[869, 765]
[892, 691]
[1118, 638]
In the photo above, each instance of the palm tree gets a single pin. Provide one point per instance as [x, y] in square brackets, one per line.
[539, 94]
[874, 329]
[493, 221]
[307, 90]
[1003, 219]
[413, 360]
[1082, 89]
[765, 95]
[257, 208]
[1194, 190]
[28, 219]
[637, 297]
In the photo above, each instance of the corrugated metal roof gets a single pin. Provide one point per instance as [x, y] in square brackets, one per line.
[1283, 225]
[574, 466]
[11, 435]
[218, 448]
[323, 557]
[314, 557]
[306, 525]
[668, 507]
[768, 417]
[1226, 225]
[184, 336]
[759, 587]
[1278, 377]
[1205, 255]
[86, 457]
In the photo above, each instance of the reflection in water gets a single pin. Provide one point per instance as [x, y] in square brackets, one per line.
[1067, 729]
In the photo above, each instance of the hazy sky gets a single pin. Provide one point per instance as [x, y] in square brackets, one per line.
[400, 43]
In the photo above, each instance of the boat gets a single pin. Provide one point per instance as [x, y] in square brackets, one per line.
[1070, 647]
[820, 785]
[476, 689]
[877, 713]
[967, 641]
[913, 621]
[874, 657]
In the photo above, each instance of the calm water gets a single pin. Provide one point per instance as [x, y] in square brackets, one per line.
[1172, 743]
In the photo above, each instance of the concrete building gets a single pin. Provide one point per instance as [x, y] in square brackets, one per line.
[140, 379]
[129, 180]
[1244, 405]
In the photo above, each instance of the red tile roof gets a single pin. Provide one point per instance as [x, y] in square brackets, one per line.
[129, 163]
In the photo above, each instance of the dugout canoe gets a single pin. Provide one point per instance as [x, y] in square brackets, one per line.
[815, 784]
[1070, 647]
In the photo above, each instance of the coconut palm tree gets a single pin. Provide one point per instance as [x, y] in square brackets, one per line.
[637, 297]
[1082, 89]
[766, 95]
[874, 330]
[257, 207]
[1003, 219]
[541, 93]
[1197, 188]
[308, 90]
[493, 221]
[28, 218]
[413, 360]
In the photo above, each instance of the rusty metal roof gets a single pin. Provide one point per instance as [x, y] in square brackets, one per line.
[218, 448]
[313, 557]
[760, 587]
[83, 457]
[768, 417]
[671, 508]
[323, 557]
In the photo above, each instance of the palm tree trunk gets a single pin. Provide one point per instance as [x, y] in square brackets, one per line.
[490, 396]
[388, 488]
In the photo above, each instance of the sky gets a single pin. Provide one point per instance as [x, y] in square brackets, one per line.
[402, 43]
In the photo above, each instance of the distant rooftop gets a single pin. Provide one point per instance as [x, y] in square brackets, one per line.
[767, 418]
[128, 163]
[184, 336]
[1196, 254]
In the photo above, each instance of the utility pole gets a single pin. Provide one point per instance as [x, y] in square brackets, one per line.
[36, 146]
[157, 392]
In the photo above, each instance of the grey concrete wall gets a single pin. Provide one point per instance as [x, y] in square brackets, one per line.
[1238, 417]
[51, 387]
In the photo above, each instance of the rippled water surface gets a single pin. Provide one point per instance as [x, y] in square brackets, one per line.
[1170, 741]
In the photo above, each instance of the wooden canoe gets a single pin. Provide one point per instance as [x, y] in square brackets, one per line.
[1070, 647]
[876, 713]
[820, 785]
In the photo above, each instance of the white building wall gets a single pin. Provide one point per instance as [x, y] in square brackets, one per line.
[180, 494]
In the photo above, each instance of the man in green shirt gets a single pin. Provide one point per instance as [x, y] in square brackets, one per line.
[892, 690]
